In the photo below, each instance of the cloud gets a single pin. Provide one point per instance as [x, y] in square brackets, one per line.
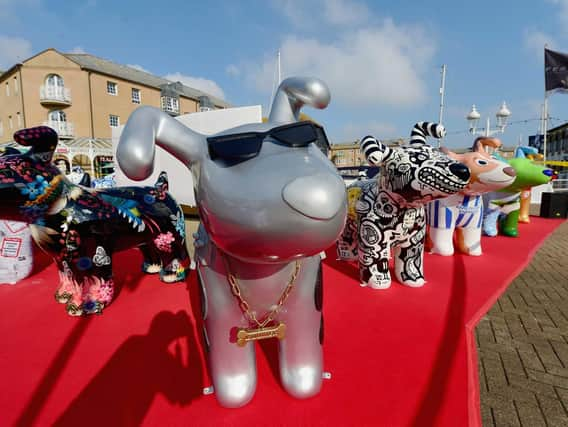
[535, 40]
[313, 14]
[353, 131]
[379, 66]
[77, 49]
[204, 85]
[10, 10]
[294, 11]
[563, 14]
[233, 70]
[345, 12]
[13, 50]
[139, 68]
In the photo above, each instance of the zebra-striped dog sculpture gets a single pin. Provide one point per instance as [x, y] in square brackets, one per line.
[463, 212]
[391, 213]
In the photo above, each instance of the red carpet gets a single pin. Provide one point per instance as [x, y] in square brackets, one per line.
[399, 357]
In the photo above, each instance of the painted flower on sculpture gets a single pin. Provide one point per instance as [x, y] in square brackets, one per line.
[104, 293]
[89, 305]
[84, 263]
[35, 188]
[164, 241]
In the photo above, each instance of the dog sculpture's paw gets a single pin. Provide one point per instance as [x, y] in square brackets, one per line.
[150, 268]
[173, 276]
[74, 310]
[379, 281]
[63, 298]
[415, 283]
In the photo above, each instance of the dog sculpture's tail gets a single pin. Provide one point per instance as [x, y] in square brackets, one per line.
[41, 139]
[423, 129]
[162, 183]
[295, 92]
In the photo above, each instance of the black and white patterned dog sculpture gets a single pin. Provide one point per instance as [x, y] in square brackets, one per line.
[81, 228]
[391, 214]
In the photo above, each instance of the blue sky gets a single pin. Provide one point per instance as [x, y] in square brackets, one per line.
[381, 59]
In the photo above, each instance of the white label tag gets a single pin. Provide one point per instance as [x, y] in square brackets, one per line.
[15, 226]
[11, 247]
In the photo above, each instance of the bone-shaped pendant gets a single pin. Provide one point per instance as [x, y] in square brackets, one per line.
[254, 334]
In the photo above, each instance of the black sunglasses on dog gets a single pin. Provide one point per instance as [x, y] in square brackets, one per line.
[239, 147]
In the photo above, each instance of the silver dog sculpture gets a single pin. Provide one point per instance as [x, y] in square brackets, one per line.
[269, 203]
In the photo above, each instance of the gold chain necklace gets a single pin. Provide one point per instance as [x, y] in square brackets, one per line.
[261, 330]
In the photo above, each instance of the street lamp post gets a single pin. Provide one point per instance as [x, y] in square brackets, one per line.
[502, 117]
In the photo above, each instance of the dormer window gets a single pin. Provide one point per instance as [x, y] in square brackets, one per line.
[170, 104]
[205, 104]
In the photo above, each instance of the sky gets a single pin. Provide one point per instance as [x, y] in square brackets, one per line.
[381, 59]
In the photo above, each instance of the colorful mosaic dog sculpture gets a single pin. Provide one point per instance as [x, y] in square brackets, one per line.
[391, 213]
[81, 228]
[269, 201]
[502, 208]
[463, 212]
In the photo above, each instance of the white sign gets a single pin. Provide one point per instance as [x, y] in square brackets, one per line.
[179, 176]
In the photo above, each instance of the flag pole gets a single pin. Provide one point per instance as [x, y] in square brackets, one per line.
[442, 93]
[545, 125]
[545, 112]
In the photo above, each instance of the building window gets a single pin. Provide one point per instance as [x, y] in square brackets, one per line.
[10, 122]
[135, 96]
[19, 120]
[112, 88]
[54, 81]
[114, 121]
[170, 104]
[7, 89]
[16, 85]
[1, 128]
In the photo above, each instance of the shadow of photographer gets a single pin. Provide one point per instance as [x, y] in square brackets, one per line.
[164, 361]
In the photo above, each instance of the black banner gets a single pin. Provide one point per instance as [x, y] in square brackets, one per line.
[555, 71]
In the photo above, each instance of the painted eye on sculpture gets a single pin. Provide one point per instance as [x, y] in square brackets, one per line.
[481, 162]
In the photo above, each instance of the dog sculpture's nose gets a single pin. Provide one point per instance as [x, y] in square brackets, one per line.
[318, 196]
[460, 170]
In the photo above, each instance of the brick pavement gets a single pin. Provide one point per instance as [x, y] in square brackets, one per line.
[522, 343]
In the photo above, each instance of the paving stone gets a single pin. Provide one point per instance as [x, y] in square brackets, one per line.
[553, 411]
[523, 344]
[546, 378]
[530, 415]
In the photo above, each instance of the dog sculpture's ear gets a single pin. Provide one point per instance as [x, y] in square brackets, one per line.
[480, 143]
[523, 151]
[41, 139]
[148, 126]
[423, 129]
[374, 150]
[293, 93]
[8, 151]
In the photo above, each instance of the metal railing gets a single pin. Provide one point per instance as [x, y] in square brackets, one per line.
[55, 93]
[560, 184]
[63, 129]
